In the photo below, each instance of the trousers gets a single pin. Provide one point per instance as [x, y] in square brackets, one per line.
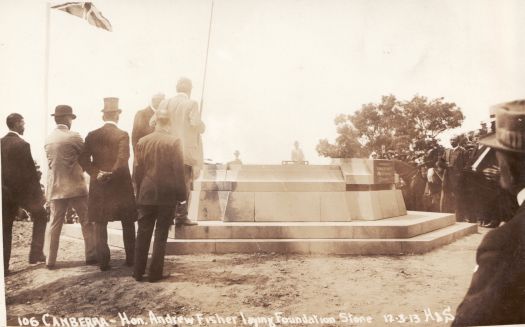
[39, 217]
[58, 215]
[150, 217]
[181, 210]
[101, 241]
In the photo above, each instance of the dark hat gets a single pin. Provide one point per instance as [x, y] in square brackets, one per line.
[111, 105]
[510, 127]
[63, 110]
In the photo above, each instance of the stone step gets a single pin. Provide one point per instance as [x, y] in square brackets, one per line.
[392, 246]
[410, 225]
[395, 246]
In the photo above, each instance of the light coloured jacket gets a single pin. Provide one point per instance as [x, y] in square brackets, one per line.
[65, 178]
[186, 125]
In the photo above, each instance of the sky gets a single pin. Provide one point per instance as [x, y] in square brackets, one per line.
[278, 71]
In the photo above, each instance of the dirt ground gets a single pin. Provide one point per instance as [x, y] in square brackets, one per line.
[253, 289]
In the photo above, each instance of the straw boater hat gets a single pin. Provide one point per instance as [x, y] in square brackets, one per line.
[510, 127]
[63, 110]
[111, 105]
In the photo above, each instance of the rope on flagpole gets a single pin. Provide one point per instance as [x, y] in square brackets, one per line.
[206, 60]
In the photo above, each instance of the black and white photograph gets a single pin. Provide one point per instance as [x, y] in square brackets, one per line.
[262, 163]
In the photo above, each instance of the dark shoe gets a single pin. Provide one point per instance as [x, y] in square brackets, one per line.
[51, 267]
[138, 278]
[37, 259]
[91, 262]
[493, 224]
[153, 279]
[105, 268]
[184, 222]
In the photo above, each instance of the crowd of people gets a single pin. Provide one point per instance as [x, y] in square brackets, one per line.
[167, 144]
[460, 179]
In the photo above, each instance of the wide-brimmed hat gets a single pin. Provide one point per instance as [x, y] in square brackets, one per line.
[111, 105]
[510, 127]
[64, 110]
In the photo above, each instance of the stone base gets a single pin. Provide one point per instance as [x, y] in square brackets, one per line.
[416, 232]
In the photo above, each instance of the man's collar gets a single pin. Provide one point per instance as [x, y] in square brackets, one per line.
[16, 133]
[521, 197]
[183, 95]
[62, 126]
[151, 107]
[110, 122]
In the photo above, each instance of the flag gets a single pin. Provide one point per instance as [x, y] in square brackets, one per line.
[87, 11]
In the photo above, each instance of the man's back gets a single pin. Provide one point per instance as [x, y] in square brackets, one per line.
[109, 147]
[159, 173]
[65, 176]
[186, 125]
[141, 126]
[19, 175]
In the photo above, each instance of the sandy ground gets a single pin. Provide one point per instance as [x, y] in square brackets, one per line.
[376, 289]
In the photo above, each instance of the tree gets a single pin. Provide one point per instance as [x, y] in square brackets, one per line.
[391, 124]
[346, 144]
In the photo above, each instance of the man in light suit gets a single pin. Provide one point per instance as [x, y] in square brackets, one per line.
[105, 159]
[187, 126]
[160, 185]
[21, 188]
[496, 295]
[66, 185]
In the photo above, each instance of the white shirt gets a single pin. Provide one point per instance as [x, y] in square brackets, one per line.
[521, 196]
[110, 122]
[20, 136]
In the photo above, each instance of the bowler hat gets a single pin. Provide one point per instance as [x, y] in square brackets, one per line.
[63, 110]
[510, 127]
[111, 105]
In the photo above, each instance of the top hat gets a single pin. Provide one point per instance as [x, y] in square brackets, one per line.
[63, 110]
[510, 127]
[111, 105]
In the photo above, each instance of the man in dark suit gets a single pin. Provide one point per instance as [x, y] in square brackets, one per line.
[456, 159]
[496, 295]
[160, 184]
[141, 124]
[105, 158]
[21, 189]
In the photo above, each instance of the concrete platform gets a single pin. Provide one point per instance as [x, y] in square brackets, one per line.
[419, 244]
[417, 232]
[410, 225]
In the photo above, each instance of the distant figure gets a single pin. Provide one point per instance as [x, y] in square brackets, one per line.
[111, 198]
[297, 153]
[21, 189]
[160, 184]
[236, 161]
[373, 155]
[187, 126]
[456, 159]
[66, 185]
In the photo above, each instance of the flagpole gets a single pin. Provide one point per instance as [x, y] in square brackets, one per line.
[46, 58]
[206, 60]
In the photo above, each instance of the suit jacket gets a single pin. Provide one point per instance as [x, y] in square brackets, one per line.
[496, 295]
[107, 149]
[20, 180]
[141, 126]
[187, 126]
[65, 178]
[159, 174]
